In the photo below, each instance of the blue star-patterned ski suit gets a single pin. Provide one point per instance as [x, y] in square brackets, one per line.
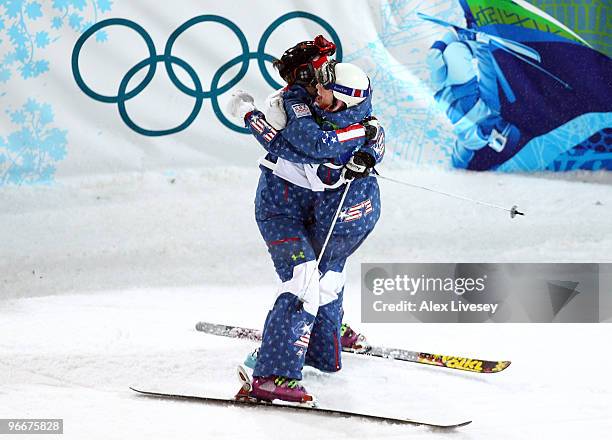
[304, 323]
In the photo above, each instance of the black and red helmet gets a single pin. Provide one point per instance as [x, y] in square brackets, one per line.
[298, 63]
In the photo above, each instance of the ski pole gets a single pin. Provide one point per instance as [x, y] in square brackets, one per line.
[513, 211]
[329, 234]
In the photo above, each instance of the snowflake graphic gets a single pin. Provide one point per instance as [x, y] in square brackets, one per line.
[417, 131]
[30, 153]
[27, 29]
[18, 20]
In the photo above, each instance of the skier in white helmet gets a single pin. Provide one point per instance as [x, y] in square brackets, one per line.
[315, 141]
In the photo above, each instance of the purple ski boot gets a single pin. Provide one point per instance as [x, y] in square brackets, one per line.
[279, 387]
[351, 340]
[272, 388]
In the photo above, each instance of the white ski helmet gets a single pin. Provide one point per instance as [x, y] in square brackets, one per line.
[349, 84]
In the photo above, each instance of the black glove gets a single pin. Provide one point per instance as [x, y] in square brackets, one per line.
[371, 126]
[359, 166]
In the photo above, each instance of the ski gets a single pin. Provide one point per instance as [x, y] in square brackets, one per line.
[437, 360]
[249, 402]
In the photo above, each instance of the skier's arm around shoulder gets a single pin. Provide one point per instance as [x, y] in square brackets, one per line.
[304, 133]
[268, 133]
[272, 141]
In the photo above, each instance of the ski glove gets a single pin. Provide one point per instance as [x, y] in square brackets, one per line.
[372, 127]
[274, 110]
[359, 166]
[240, 104]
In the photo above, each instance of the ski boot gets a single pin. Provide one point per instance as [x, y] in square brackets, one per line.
[272, 388]
[351, 340]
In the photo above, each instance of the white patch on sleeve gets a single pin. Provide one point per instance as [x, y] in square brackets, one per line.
[301, 110]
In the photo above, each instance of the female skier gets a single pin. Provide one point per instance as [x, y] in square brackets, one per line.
[326, 140]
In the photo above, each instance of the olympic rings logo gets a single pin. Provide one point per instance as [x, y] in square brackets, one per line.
[169, 60]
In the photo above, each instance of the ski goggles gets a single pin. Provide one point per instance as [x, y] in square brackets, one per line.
[304, 74]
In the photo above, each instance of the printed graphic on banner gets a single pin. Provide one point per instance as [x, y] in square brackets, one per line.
[448, 292]
[31, 153]
[523, 91]
[589, 19]
[475, 84]
[170, 61]
[416, 130]
[31, 147]
[22, 29]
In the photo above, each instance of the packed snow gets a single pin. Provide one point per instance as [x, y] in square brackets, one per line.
[102, 282]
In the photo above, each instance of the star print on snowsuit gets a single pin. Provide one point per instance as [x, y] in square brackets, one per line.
[303, 326]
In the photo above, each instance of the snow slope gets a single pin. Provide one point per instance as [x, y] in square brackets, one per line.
[102, 282]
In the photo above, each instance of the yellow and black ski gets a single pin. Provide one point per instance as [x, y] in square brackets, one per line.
[437, 360]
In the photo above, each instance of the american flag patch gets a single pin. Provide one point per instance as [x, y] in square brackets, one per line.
[351, 132]
[357, 211]
[261, 126]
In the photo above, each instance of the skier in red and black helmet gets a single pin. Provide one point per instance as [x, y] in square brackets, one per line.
[318, 132]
